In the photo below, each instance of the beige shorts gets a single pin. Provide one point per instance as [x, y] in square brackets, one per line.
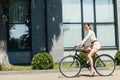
[96, 45]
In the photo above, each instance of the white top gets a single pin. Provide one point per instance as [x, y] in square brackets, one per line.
[90, 37]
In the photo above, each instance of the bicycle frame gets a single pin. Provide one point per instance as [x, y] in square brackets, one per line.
[79, 50]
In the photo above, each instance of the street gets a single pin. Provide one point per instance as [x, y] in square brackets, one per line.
[53, 75]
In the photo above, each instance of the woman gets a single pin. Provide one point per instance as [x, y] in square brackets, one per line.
[93, 48]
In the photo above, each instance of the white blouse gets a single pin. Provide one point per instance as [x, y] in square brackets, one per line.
[90, 37]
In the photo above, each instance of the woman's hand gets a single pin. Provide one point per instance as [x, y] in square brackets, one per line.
[78, 45]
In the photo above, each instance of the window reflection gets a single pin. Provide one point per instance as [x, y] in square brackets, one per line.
[18, 10]
[72, 34]
[88, 11]
[106, 34]
[71, 11]
[104, 11]
[19, 38]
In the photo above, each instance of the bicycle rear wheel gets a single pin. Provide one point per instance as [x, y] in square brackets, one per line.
[70, 66]
[104, 65]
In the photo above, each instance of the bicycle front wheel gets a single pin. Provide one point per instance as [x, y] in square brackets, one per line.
[70, 66]
[104, 65]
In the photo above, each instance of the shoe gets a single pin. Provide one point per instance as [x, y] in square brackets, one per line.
[88, 62]
[92, 74]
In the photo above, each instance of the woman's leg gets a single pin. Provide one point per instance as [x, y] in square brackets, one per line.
[85, 50]
[96, 47]
[92, 52]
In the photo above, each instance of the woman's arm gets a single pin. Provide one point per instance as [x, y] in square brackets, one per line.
[87, 37]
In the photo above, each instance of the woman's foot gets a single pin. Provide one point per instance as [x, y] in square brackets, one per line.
[88, 62]
[92, 73]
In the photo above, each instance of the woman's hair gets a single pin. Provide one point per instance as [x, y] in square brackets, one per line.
[87, 25]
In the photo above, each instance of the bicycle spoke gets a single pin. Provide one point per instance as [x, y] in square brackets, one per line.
[104, 65]
[70, 66]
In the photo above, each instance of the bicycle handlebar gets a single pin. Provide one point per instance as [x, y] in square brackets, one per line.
[78, 49]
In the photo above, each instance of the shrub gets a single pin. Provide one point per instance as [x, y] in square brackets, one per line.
[42, 61]
[0, 66]
[83, 59]
[117, 58]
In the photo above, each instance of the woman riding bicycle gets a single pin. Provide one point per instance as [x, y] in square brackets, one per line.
[93, 48]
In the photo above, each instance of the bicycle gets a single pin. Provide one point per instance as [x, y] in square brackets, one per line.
[70, 66]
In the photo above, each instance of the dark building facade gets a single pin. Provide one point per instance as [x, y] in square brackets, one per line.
[55, 26]
[43, 21]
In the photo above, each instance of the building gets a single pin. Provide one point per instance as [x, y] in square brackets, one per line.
[55, 26]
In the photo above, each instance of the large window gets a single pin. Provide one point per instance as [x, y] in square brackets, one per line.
[19, 29]
[72, 22]
[100, 15]
[105, 22]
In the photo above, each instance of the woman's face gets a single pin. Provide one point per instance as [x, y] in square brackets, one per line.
[86, 27]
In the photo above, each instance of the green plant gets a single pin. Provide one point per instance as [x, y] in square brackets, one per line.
[83, 59]
[117, 58]
[0, 66]
[42, 61]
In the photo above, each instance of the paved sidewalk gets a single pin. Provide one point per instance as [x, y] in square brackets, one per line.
[53, 75]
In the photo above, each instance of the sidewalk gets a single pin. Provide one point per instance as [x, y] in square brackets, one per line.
[53, 75]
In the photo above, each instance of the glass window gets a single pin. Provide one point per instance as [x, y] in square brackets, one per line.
[71, 11]
[72, 34]
[18, 10]
[106, 34]
[104, 11]
[71, 22]
[88, 11]
[19, 38]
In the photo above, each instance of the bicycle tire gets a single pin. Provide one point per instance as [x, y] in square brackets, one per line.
[104, 65]
[70, 66]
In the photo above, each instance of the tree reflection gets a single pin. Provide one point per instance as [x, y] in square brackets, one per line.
[19, 38]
